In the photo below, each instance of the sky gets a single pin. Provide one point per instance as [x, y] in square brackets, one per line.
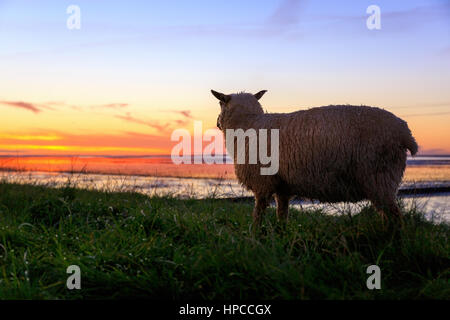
[137, 70]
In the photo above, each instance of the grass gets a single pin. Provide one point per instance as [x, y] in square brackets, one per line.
[132, 246]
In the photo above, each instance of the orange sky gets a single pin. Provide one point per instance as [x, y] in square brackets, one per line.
[61, 133]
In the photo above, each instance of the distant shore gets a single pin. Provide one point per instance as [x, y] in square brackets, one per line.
[419, 168]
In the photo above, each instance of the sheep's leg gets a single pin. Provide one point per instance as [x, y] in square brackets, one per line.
[395, 214]
[381, 191]
[282, 206]
[389, 210]
[261, 203]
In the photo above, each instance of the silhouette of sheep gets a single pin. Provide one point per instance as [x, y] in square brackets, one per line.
[333, 153]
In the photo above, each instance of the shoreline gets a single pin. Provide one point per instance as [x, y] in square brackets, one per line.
[142, 175]
[406, 188]
[405, 193]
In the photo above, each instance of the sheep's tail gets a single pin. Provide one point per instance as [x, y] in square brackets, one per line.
[409, 142]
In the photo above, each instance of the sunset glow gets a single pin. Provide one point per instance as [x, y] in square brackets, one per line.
[136, 71]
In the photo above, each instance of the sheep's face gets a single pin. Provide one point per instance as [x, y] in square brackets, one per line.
[228, 102]
[219, 118]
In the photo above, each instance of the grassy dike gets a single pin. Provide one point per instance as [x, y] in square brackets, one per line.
[132, 246]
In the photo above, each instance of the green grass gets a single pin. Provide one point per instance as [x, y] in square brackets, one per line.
[132, 246]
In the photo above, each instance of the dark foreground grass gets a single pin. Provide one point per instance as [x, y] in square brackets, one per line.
[131, 246]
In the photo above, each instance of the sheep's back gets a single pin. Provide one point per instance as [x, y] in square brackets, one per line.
[327, 153]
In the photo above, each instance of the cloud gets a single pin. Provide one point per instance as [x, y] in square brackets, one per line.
[7, 152]
[424, 13]
[162, 128]
[180, 121]
[187, 117]
[284, 17]
[158, 126]
[400, 20]
[129, 118]
[184, 113]
[112, 106]
[287, 13]
[23, 105]
[54, 105]
[433, 151]
[151, 124]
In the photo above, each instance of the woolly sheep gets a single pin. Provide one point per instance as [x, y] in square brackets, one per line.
[335, 153]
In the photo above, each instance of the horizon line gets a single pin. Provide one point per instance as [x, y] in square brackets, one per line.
[149, 155]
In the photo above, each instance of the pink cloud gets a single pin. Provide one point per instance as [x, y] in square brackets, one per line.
[23, 105]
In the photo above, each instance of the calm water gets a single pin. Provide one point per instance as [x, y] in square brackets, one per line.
[135, 174]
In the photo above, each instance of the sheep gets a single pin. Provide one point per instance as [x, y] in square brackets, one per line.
[335, 153]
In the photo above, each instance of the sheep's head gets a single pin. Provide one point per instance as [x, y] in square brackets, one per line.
[237, 105]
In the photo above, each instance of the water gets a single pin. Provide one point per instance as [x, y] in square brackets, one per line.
[419, 169]
[436, 207]
[201, 180]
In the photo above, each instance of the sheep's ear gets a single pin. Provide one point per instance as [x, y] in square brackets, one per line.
[259, 94]
[222, 97]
